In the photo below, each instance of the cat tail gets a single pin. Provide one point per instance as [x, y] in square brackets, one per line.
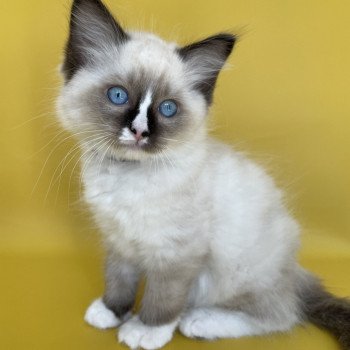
[325, 310]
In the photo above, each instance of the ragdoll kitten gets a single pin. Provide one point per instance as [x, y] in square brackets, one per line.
[205, 226]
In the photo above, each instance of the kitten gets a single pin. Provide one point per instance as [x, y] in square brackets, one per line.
[203, 224]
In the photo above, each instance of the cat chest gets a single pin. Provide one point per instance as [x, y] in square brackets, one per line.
[147, 235]
[135, 227]
[138, 219]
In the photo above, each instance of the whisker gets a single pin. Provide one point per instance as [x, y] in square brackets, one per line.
[55, 137]
[75, 151]
[42, 115]
[94, 151]
[48, 158]
[52, 182]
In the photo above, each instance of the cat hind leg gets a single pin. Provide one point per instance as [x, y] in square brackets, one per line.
[213, 323]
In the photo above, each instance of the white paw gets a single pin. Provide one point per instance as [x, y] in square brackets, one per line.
[195, 325]
[97, 315]
[214, 323]
[135, 334]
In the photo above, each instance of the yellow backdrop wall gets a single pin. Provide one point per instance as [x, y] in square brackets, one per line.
[285, 101]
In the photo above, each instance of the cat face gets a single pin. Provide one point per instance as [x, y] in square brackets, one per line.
[133, 95]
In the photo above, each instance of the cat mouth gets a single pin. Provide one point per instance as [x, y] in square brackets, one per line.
[135, 145]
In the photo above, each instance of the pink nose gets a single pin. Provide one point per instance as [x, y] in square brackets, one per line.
[139, 134]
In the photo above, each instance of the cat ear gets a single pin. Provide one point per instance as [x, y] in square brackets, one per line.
[205, 59]
[93, 30]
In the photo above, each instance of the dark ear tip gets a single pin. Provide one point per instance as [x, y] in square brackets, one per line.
[229, 38]
[97, 4]
[78, 3]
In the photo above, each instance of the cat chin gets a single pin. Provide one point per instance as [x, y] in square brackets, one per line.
[131, 153]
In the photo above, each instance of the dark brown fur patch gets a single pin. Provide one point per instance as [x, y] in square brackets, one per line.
[327, 311]
[164, 298]
[121, 283]
[216, 49]
[83, 11]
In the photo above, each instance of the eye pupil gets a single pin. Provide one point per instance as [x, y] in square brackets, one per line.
[118, 95]
[168, 108]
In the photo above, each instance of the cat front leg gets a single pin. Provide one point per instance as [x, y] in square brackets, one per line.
[165, 298]
[121, 279]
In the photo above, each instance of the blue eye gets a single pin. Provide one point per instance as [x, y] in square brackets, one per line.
[168, 108]
[118, 95]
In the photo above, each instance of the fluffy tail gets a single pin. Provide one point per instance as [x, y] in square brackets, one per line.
[325, 310]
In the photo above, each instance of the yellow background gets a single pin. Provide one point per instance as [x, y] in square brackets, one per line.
[285, 101]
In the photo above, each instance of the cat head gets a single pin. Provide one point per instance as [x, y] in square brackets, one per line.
[132, 94]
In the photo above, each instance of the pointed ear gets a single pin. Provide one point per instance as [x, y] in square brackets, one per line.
[93, 29]
[205, 59]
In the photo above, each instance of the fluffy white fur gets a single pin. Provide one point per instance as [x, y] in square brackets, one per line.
[212, 323]
[250, 236]
[198, 197]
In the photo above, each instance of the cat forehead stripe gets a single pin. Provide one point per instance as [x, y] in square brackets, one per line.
[141, 121]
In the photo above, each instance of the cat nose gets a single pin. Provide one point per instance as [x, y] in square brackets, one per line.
[139, 133]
